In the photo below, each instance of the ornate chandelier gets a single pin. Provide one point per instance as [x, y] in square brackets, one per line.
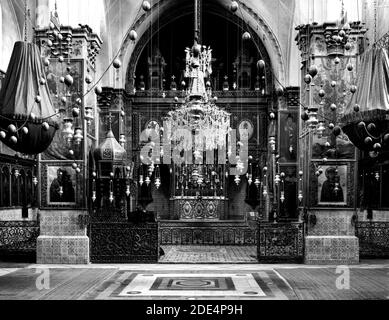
[199, 115]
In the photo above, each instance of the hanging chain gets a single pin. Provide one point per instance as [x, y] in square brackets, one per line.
[25, 21]
[375, 20]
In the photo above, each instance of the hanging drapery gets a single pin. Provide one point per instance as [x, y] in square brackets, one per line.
[366, 119]
[25, 103]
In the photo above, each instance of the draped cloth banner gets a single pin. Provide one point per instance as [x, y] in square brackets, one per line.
[21, 86]
[372, 97]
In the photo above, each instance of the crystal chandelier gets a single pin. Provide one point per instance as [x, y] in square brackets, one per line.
[199, 113]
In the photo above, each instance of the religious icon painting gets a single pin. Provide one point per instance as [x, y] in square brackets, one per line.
[288, 137]
[61, 185]
[332, 185]
[246, 130]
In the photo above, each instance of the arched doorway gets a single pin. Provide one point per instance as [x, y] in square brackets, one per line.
[154, 79]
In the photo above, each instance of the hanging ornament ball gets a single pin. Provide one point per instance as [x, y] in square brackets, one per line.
[386, 138]
[333, 84]
[13, 140]
[98, 90]
[2, 134]
[76, 112]
[371, 127]
[63, 100]
[261, 65]
[117, 63]
[42, 81]
[74, 166]
[327, 144]
[368, 140]
[88, 79]
[46, 62]
[308, 79]
[353, 89]
[69, 80]
[38, 99]
[361, 125]
[313, 71]
[78, 170]
[62, 79]
[272, 115]
[234, 6]
[333, 107]
[357, 108]
[25, 130]
[133, 35]
[71, 152]
[196, 49]
[61, 59]
[176, 99]
[183, 84]
[347, 46]
[12, 129]
[246, 36]
[305, 116]
[377, 146]
[322, 93]
[337, 131]
[337, 60]
[45, 126]
[331, 126]
[78, 101]
[146, 6]
[280, 91]
[350, 67]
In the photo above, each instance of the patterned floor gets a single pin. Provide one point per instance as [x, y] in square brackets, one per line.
[193, 282]
[211, 285]
[209, 254]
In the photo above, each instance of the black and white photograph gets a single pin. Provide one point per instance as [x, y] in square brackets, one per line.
[208, 154]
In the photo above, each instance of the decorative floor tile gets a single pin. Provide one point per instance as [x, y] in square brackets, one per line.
[209, 254]
[193, 285]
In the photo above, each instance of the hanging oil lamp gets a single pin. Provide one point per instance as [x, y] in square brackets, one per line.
[78, 137]
[88, 116]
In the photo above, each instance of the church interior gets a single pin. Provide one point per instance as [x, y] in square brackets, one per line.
[218, 131]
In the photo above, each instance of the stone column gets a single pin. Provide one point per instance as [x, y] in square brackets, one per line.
[333, 50]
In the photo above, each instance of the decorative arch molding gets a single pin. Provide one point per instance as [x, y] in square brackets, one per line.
[272, 54]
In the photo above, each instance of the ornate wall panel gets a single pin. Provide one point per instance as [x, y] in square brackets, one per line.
[215, 233]
[281, 242]
[18, 240]
[122, 242]
[373, 239]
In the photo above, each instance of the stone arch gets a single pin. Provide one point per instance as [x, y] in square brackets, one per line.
[271, 50]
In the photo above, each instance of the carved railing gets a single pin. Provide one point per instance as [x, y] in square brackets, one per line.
[373, 239]
[281, 242]
[18, 240]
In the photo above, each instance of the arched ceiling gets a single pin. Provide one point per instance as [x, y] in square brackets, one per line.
[271, 20]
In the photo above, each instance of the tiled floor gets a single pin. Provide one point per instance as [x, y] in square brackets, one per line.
[369, 280]
[209, 254]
